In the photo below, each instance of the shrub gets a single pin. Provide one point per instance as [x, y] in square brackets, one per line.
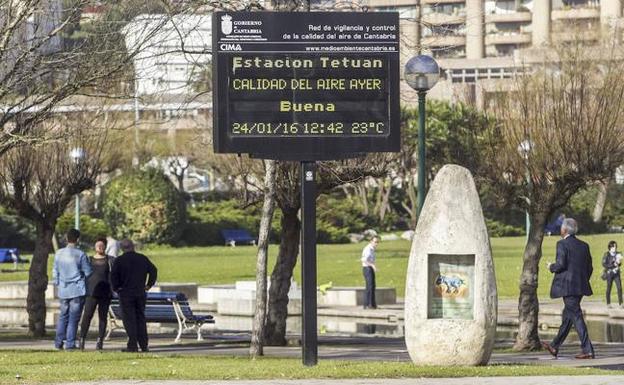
[581, 207]
[144, 205]
[498, 229]
[206, 221]
[344, 213]
[328, 233]
[91, 228]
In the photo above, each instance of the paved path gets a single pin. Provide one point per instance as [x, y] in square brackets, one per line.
[608, 356]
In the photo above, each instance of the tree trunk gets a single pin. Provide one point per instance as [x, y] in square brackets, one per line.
[528, 303]
[361, 189]
[413, 202]
[38, 280]
[601, 200]
[180, 180]
[384, 199]
[257, 343]
[275, 334]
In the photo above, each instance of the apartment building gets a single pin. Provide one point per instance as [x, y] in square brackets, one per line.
[476, 41]
[475, 29]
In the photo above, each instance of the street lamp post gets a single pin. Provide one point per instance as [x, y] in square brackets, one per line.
[421, 73]
[524, 148]
[77, 154]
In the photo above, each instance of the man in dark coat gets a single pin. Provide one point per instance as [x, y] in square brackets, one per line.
[132, 275]
[572, 269]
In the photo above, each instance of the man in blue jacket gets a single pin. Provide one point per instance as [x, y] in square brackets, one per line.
[71, 267]
[572, 269]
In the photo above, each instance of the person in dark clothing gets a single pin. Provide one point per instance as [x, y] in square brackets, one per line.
[133, 274]
[573, 268]
[611, 262]
[99, 294]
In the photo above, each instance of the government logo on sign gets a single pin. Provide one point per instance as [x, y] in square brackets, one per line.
[226, 24]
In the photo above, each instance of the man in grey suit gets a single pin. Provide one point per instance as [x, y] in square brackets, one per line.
[572, 269]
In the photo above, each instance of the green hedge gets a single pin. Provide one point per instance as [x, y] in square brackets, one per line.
[91, 228]
[499, 229]
[144, 206]
[335, 219]
[206, 220]
[16, 231]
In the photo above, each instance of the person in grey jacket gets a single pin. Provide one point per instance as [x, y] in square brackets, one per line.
[71, 267]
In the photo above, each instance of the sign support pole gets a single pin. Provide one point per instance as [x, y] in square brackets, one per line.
[309, 340]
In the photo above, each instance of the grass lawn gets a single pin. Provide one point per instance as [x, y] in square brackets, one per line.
[340, 264]
[49, 367]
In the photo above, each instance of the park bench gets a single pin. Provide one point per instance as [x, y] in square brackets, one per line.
[11, 255]
[231, 236]
[163, 307]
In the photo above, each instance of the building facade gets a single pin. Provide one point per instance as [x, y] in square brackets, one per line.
[477, 42]
[476, 29]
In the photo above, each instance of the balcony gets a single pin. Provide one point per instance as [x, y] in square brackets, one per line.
[436, 2]
[587, 35]
[514, 17]
[387, 3]
[575, 13]
[444, 40]
[509, 38]
[443, 18]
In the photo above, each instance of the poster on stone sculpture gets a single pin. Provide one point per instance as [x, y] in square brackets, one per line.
[451, 286]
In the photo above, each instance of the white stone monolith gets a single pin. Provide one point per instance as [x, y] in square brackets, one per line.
[450, 295]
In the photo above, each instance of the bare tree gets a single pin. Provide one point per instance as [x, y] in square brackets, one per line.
[567, 114]
[51, 50]
[601, 200]
[268, 206]
[38, 182]
[288, 196]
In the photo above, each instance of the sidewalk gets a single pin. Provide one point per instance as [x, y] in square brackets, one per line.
[608, 356]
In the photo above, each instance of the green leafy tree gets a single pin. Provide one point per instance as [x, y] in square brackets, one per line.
[144, 206]
[454, 134]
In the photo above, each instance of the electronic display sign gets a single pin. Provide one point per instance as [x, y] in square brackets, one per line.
[305, 86]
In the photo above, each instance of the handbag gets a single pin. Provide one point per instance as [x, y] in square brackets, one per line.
[604, 275]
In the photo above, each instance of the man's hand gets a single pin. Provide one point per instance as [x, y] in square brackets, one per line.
[147, 288]
[548, 265]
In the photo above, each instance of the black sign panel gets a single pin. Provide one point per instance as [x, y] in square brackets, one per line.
[305, 86]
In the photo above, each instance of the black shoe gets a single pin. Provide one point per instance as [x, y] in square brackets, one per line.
[145, 349]
[553, 352]
[81, 344]
[99, 343]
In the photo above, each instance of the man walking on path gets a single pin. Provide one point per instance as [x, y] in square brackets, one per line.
[71, 267]
[572, 269]
[369, 269]
[132, 276]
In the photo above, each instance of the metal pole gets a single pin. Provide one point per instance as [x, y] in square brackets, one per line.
[77, 213]
[421, 150]
[137, 117]
[309, 338]
[527, 218]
